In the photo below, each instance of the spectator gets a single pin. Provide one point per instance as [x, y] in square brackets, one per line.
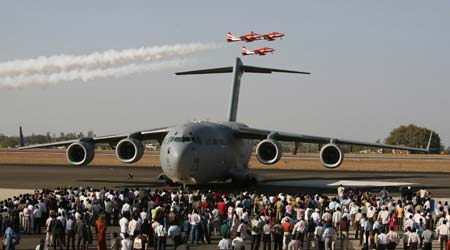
[127, 243]
[100, 229]
[344, 227]
[42, 245]
[116, 242]
[238, 243]
[427, 236]
[224, 244]
[160, 232]
[442, 232]
[10, 238]
[175, 234]
[56, 229]
[70, 233]
[256, 231]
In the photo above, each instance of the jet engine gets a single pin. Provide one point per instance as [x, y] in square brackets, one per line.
[129, 150]
[80, 153]
[331, 155]
[268, 151]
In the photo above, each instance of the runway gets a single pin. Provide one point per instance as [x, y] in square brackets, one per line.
[289, 181]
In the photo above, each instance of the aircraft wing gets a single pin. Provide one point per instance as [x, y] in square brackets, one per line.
[157, 134]
[252, 133]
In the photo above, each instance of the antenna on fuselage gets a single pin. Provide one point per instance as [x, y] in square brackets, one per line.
[238, 70]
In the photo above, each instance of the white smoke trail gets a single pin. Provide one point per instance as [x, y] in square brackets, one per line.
[13, 82]
[60, 63]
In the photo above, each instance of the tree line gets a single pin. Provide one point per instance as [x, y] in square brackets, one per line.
[405, 135]
[13, 141]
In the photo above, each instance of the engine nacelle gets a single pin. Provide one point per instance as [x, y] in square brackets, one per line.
[268, 151]
[80, 153]
[331, 155]
[129, 150]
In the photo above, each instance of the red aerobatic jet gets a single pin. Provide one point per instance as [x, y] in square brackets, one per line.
[260, 51]
[272, 36]
[250, 37]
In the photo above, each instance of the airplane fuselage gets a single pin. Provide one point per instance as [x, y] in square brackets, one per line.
[201, 152]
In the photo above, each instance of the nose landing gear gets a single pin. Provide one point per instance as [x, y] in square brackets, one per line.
[167, 181]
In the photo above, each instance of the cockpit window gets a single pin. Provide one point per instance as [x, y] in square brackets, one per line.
[182, 139]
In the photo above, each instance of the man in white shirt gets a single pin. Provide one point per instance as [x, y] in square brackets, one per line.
[316, 215]
[299, 229]
[336, 218]
[427, 236]
[406, 238]
[341, 191]
[160, 237]
[383, 216]
[195, 220]
[123, 223]
[413, 240]
[409, 223]
[266, 236]
[442, 234]
[133, 226]
[371, 212]
[126, 243]
[328, 235]
[224, 244]
[382, 240]
[126, 209]
[393, 238]
[37, 213]
[238, 243]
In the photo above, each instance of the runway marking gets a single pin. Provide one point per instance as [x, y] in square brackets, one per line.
[6, 193]
[335, 183]
[371, 183]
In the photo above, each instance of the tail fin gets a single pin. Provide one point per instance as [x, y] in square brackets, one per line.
[21, 138]
[245, 51]
[238, 69]
[231, 38]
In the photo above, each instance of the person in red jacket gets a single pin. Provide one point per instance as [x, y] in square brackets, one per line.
[221, 206]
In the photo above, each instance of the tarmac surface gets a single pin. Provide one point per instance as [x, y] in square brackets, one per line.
[17, 179]
[276, 181]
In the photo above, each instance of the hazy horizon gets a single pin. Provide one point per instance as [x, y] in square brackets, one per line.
[374, 66]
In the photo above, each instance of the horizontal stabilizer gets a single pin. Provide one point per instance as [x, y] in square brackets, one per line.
[252, 69]
[207, 71]
[242, 68]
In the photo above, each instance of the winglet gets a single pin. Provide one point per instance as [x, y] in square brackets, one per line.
[21, 138]
[429, 141]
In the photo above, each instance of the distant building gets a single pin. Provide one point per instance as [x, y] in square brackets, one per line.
[151, 147]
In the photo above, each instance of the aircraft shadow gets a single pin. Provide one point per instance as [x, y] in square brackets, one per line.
[128, 183]
[359, 178]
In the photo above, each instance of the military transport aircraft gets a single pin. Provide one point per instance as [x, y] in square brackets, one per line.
[201, 152]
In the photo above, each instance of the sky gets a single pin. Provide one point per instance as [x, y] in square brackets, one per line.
[375, 65]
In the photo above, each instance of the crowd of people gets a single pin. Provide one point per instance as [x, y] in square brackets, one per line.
[76, 218]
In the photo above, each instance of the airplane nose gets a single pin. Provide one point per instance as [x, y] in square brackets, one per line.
[181, 159]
